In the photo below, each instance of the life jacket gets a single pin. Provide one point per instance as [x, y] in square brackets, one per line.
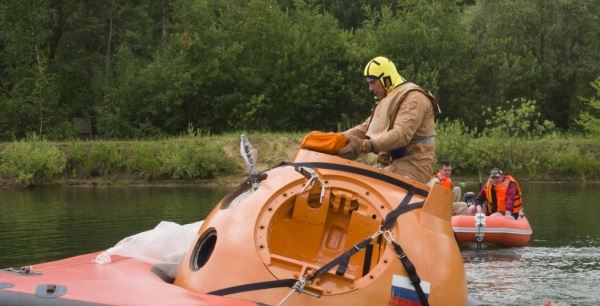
[500, 191]
[445, 182]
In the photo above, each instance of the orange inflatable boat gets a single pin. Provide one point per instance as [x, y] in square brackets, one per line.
[327, 231]
[320, 230]
[495, 229]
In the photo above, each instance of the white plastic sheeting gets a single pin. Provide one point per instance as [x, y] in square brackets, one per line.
[163, 246]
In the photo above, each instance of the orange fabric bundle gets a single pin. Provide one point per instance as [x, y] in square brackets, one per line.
[330, 143]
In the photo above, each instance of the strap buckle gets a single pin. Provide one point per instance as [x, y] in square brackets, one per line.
[312, 177]
[299, 288]
[389, 236]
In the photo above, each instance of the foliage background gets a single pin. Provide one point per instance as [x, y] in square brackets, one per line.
[130, 69]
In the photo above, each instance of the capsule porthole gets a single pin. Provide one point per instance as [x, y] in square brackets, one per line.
[203, 249]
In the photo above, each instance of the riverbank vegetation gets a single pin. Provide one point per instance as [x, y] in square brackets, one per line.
[194, 157]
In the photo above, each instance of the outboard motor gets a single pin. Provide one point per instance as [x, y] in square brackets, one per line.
[470, 198]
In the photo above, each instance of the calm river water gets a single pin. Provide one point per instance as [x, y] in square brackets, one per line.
[562, 263]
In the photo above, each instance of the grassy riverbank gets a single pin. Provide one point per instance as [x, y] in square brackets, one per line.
[174, 160]
[216, 158]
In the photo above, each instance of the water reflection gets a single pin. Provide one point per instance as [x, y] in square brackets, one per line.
[52, 223]
[562, 263]
[489, 254]
[532, 275]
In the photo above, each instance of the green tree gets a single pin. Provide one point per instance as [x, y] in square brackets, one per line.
[243, 66]
[428, 44]
[94, 31]
[350, 14]
[57, 59]
[516, 118]
[589, 118]
[28, 97]
[542, 50]
[146, 68]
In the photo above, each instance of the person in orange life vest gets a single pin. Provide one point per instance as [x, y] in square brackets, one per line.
[443, 178]
[401, 128]
[502, 195]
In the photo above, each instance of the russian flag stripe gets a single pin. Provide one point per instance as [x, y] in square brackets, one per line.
[403, 292]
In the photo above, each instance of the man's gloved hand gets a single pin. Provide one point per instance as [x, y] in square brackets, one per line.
[352, 149]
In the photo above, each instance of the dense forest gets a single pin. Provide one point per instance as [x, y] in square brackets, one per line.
[147, 68]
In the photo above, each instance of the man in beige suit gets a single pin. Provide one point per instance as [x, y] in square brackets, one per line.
[401, 128]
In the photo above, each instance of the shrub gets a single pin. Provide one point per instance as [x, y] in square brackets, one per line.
[589, 118]
[518, 118]
[141, 159]
[453, 140]
[31, 162]
[194, 157]
[93, 159]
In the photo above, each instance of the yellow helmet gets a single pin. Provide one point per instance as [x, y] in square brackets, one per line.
[383, 69]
